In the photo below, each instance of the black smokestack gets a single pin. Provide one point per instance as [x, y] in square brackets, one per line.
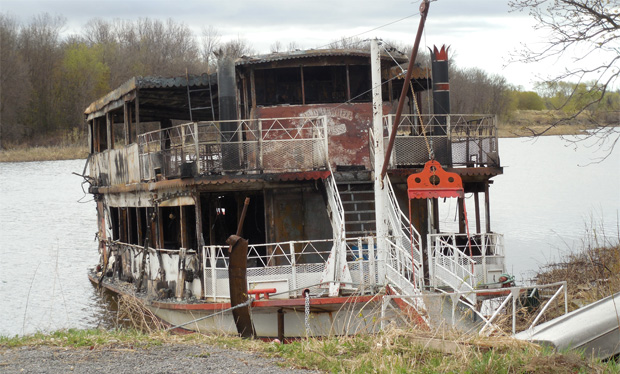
[441, 88]
[226, 92]
[226, 88]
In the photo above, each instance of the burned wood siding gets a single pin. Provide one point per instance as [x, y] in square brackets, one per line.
[116, 167]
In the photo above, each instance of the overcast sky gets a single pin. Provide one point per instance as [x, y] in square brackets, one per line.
[482, 33]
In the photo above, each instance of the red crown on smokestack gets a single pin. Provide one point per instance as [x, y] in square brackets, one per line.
[442, 54]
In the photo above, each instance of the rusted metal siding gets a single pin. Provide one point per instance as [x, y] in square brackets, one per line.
[296, 214]
[347, 126]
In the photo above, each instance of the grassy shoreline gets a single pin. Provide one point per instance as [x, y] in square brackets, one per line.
[391, 351]
[74, 152]
[50, 153]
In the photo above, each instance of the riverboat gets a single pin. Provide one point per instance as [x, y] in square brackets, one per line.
[294, 194]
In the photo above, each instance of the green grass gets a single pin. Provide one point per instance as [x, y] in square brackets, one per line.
[85, 338]
[395, 351]
[405, 352]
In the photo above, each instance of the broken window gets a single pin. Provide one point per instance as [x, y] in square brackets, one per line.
[114, 223]
[325, 84]
[360, 81]
[278, 86]
[170, 221]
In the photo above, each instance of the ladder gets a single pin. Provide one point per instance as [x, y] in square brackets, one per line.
[189, 97]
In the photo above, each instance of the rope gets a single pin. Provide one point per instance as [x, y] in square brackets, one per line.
[246, 303]
[431, 154]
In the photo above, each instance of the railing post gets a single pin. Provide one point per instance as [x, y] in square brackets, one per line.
[260, 145]
[371, 261]
[383, 308]
[483, 237]
[429, 256]
[326, 138]
[565, 286]
[514, 311]
[197, 146]
[293, 269]
[204, 271]
[213, 273]
[360, 258]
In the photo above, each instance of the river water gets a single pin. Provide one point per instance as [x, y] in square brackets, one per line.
[544, 203]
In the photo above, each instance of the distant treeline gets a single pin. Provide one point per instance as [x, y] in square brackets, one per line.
[47, 79]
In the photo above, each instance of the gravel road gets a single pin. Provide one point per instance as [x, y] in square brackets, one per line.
[167, 358]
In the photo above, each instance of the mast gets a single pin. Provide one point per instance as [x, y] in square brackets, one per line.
[377, 121]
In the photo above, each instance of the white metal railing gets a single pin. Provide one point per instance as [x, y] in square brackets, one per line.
[403, 232]
[249, 145]
[400, 268]
[337, 271]
[450, 267]
[335, 209]
[299, 264]
[515, 293]
[483, 266]
[454, 139]
[488, 327]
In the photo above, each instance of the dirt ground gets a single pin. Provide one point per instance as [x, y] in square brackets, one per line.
[167, 358]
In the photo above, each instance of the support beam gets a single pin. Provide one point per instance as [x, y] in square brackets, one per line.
[487, 207]
[137, 114]
[477, 203]
[109, 130]
[462, 228]
[126, 123]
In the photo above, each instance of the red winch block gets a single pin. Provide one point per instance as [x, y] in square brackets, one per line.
[434, 182]
[259, 291]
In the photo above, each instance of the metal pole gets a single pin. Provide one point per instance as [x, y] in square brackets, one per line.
[293, 268]
[414, 52]
[380, 193]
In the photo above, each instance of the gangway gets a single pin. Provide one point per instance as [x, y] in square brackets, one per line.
[594, 328]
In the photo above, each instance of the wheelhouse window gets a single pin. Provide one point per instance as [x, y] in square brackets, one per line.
[312, 85]
[278, 86]
[325, 84]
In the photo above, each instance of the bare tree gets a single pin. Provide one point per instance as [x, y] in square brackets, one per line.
[293, 46]
[276, 47]
[14, 82]
[40, 47]
[350, 43]
[279, 47]
[235, 48]
[579, 28]
[475, 91]
[210, 42]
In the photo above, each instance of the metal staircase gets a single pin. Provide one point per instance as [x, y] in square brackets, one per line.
[358, 201]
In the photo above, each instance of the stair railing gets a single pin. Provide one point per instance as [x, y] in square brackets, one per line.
[336, 269]
[448, 266]
[402, 232]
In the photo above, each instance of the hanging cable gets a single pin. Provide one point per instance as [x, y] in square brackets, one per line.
[431, 154]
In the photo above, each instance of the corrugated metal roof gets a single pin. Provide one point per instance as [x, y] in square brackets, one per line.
[282, 56]
[150, 82]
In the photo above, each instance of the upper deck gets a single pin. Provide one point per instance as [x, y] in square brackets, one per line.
[305, 111]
